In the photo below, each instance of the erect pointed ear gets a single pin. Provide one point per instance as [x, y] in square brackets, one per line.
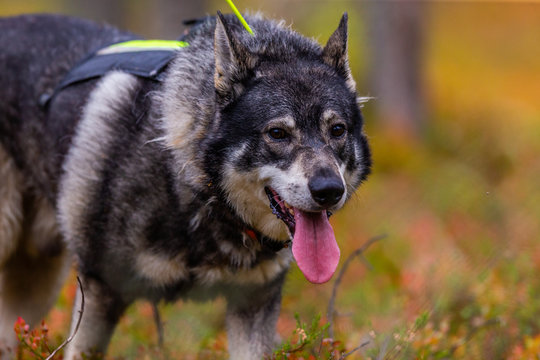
[335, 52]
[233, 61]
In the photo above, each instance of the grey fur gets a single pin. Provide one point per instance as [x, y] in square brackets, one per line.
[158, 186]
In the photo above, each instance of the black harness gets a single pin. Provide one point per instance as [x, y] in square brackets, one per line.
[143, 58]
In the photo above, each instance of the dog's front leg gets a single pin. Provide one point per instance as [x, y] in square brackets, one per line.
[102, 310]
[252, 313]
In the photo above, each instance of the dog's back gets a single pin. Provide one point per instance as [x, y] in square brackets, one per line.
[36, 51]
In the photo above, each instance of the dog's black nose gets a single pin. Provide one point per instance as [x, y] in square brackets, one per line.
[326, 190]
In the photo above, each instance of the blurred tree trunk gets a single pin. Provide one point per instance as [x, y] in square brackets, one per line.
[153, 19]
[102, 11]
[396, 34]
[169, 15]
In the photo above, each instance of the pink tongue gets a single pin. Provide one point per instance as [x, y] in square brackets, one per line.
[314, 246]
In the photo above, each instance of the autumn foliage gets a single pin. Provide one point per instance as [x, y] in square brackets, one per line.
[458, 275]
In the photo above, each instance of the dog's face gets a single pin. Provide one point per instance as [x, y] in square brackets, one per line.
[288, 147]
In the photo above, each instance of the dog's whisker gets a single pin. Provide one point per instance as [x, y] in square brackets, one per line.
[155, 140]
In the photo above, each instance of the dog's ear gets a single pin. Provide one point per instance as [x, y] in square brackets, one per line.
[335, 52]
[233, 62]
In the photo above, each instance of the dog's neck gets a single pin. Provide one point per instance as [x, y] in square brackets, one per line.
[266, 242]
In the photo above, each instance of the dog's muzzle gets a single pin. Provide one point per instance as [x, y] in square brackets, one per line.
[314, 245]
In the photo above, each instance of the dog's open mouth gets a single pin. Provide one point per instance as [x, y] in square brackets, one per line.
[281, 209]
[314, 244]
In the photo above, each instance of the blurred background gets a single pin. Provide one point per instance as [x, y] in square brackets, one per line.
[454, 125]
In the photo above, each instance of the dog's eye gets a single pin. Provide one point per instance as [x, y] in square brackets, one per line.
[277, 133]
[337, 130]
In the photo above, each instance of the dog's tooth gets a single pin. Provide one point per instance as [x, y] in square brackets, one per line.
[290, 211]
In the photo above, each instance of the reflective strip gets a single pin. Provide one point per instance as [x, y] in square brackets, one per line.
[152, 44]
[142, 45]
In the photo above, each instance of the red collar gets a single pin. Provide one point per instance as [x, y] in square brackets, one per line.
[265, 241]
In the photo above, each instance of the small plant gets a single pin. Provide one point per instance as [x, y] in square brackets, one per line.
[32, 344]
[309, 343]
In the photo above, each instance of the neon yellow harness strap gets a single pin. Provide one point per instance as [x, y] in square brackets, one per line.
[153, 44]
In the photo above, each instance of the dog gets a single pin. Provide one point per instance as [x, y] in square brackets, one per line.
[205, 181]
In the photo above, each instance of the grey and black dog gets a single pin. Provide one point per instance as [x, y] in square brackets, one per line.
[188, 187]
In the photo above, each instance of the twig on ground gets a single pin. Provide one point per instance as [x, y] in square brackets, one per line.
[159, 324]
[331, 304]
[70, 338]
[343, 356]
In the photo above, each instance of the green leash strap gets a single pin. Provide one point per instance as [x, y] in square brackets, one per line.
[240, 17]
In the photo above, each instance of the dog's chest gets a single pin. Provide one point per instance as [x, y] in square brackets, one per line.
[215, 257]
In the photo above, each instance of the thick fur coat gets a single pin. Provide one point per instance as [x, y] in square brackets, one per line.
[191, 187]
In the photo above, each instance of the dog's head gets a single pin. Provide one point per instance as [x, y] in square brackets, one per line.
[287, 146]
